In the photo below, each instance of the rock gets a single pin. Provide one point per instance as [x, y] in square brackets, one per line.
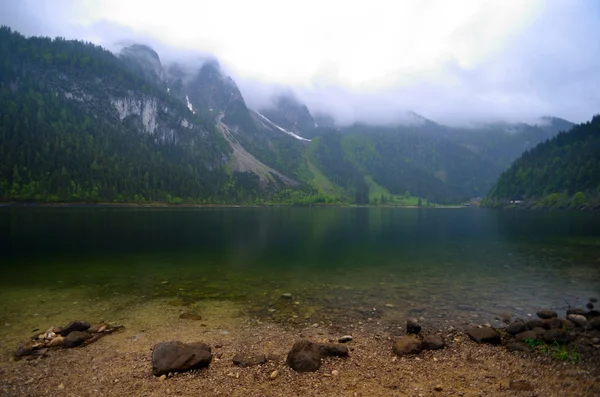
[558, 335]
[163, 377]
[273, 357]
[594, 323]
[274, 375]
[75, 326]
[433, 342]
[335, 372]
[517, 347]
[287, 295]
[412, 327]
[304, 357]
[552, 323]
[523, 336]
[590, 305]
[438, 388]
[61, 386]
[102, 329]
[333, 350]
[539, 331]
[178, 357]
[516, 327]
[345, 339]
[593, 313]
[190, 316]
[56, 341]
[409, 344]
[484, 335]
[249, 360]
[24, 349]
[546, 314]
[576, 310]
[521, 385]
[75, 338]
[577, 319]
[531, 324]
[504, 317]
[593, 300]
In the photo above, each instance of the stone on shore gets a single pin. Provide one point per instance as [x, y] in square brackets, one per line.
[304, 357]
[552, 323]
[249, 360]
[546, 314]
[576, 310]
[484, 335]
[333, 350]
[577, 319]
[557, 335]
[523, 336]
[345, 339]
[433, 342]
[75, 326]
[75, 338]
[516, 327]
[179, 357]
[406, 345]
[412, 326]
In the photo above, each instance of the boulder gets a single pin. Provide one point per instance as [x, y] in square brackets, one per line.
[484, 335]
[552, 323]
[577, 319]
[523, 336]
[249, 360]
[433, 342]
[75, 338]
[517, 347]
[409, 344]
[546, 314]
[304, 356]
[179, 357]
[576, 310]
[75, 326]
[333, 350]
[557, 335]
[516, 327]
[412, 326]
[531, 324]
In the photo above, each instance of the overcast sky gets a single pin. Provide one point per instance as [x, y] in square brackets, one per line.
[452, 61]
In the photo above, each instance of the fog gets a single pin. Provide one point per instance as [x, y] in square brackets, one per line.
[454, 62]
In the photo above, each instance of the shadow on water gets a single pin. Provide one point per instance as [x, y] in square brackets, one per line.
[336, 262]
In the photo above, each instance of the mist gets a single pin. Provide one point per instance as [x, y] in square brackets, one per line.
[507, 61]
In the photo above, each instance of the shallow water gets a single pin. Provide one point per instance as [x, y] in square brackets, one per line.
[340, 264]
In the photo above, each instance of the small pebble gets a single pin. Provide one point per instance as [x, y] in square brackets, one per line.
[438, 388]
[274, 374]
[163, 377]
[335, 372]
[61, 386]
[345, 338]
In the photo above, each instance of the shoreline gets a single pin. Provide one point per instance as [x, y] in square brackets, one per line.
[121, 363]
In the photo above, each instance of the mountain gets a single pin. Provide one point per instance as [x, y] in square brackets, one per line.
[561, 172]
[82, 124]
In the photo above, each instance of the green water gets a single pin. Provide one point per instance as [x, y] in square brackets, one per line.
[340, 264]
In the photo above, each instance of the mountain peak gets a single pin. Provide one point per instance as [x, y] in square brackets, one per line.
[145, 59]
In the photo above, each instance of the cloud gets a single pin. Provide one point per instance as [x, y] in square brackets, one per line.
[454, 62]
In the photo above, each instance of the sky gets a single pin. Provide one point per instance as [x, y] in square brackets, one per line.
[456, 62]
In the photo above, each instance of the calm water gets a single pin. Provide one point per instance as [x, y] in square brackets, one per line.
[340, 264]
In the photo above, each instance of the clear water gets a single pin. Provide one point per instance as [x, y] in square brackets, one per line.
[340, 264]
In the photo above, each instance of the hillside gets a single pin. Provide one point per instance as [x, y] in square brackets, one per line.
[561, 172]
[80, 123]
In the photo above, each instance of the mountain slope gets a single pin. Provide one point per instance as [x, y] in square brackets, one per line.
[564, 168]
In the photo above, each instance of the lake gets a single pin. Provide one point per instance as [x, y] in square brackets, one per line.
[340, 265]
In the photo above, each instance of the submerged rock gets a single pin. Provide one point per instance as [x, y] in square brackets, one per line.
[484, 335]
[247, 360]
[75, 326]
[406, 345]
[179, 357]
[304, 357]
[547, 314]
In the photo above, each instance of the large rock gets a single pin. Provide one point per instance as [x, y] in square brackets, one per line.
[333, 350]
[557, 335]
[75, 338]
[179, 357]
[249, 360]
[484, 335]
[304, 356]
[412, 326]
[577, 319]
[433, 342]
[547, 314]
[75, 326]
[531, 324]
[523, 336]
[516, 327]
[552, 323]
[409, 344]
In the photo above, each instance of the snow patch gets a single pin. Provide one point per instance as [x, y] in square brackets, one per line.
[189, 105]
[283, 130]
